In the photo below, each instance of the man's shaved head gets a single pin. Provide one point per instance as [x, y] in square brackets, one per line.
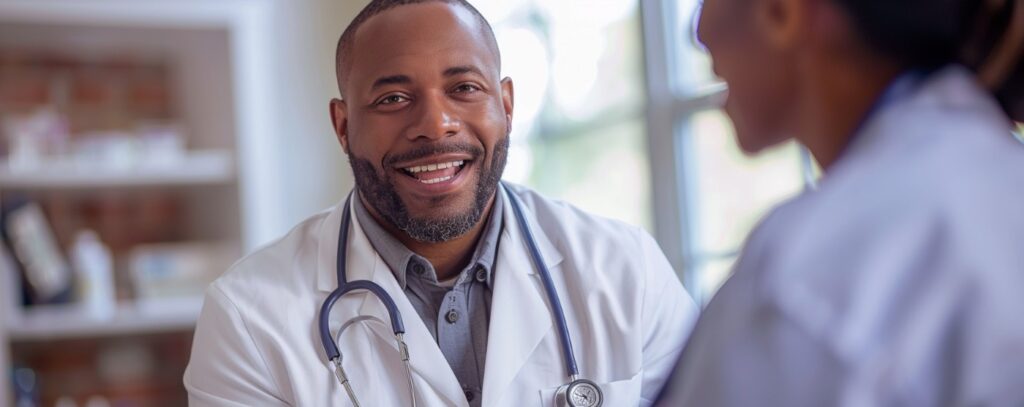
[343, 54]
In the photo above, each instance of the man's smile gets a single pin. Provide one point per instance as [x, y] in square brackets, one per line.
[432, 176]
[434, 173]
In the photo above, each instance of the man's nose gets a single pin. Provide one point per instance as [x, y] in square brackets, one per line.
[436, 119]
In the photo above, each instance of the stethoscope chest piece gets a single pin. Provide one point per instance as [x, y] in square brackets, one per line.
[579, 393]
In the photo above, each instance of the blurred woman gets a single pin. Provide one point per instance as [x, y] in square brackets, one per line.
[899, 281]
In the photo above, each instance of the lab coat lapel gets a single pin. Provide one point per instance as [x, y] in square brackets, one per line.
[520, 313]
[363, 263]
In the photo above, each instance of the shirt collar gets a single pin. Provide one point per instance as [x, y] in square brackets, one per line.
[398, 257]
[486, 251]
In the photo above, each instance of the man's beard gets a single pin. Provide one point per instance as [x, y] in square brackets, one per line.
[379, 192]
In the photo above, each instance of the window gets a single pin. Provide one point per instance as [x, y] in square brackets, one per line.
[709, 194]
[587, 130]
[579, 131]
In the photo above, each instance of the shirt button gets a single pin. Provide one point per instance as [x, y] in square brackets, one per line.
[452, 317]
[481, 275]
[418, 268]
[470, 395]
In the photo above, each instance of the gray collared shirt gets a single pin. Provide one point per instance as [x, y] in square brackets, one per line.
[456, 315]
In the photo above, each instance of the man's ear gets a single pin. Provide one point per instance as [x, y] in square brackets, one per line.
[783, 23]
[339, 118]
[507, 101]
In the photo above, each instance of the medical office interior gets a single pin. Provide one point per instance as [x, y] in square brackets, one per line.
[148, 144]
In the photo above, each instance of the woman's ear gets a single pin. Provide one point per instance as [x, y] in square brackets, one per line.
[782, 23]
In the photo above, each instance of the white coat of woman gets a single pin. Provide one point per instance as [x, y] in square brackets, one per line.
[899, 280]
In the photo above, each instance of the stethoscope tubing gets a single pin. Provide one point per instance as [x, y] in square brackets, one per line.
[345, 287]
[397, 325]
[549, 287]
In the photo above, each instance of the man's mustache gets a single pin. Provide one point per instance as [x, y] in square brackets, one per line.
[430, 150]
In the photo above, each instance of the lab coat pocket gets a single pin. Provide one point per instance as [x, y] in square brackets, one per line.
[618, 393]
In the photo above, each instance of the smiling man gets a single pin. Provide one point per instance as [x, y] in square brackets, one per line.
[507, 298]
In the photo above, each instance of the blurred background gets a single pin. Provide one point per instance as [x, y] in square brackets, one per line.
[147, 144]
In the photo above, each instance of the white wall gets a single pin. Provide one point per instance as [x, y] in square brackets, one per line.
[314, 173]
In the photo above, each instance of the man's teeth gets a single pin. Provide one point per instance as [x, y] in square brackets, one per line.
[434, 167]
[435, 180]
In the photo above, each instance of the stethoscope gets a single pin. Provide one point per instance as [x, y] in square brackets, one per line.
[576, 393]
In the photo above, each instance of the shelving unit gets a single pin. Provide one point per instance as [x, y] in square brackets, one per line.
[217, 52]
[214, 167]
[71, 322]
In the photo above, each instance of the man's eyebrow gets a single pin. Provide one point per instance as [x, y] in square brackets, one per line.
[390, 80]
[462, 69]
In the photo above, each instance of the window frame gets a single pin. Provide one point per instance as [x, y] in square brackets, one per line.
[671, 150]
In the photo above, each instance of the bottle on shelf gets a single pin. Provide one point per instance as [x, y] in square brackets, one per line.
[94, 265]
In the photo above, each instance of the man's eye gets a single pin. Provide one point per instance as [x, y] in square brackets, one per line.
[466, 88]
[389, 100]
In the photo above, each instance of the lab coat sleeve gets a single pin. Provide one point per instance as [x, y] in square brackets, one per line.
[733, 359]
[668, 316]
[226, 367]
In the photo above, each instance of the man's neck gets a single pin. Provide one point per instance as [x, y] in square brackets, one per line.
[448, 257]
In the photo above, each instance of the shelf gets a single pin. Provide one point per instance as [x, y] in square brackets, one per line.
[185, 13]
[196, 168]
[73, 322]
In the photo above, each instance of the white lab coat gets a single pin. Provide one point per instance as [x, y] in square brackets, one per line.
[898, 282]
[257, 342]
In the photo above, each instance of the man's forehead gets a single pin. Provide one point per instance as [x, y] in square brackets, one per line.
[432, 33]
[422, 65]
